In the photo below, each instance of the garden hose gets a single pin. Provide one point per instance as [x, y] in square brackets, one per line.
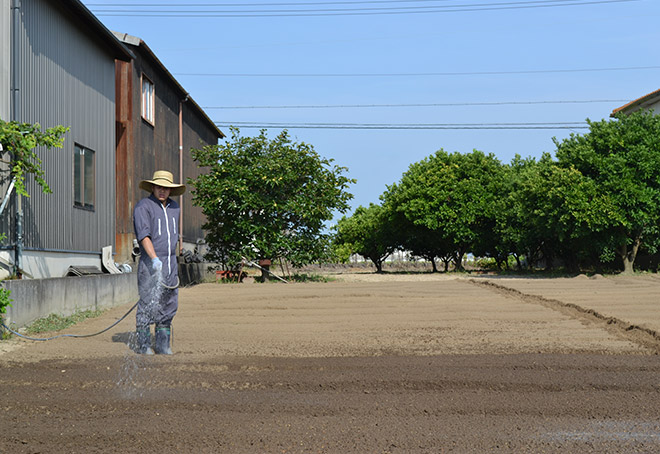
[83, 335]
[68, 335]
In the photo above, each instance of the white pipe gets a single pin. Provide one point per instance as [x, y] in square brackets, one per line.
[6, 199]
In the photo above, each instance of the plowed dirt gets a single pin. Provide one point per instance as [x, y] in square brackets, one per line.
[366, 364]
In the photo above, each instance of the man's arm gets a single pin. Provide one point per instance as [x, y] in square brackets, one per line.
[148, 247]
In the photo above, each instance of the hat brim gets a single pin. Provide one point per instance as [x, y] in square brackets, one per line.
[175, 189]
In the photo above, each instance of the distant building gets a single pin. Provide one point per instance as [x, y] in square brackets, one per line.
[646, 102]
[59, 65]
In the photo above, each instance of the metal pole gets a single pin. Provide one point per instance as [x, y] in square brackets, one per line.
[18, 256]
[15, 116]
[181, 174]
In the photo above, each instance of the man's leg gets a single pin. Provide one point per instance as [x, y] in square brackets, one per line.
[169, 306]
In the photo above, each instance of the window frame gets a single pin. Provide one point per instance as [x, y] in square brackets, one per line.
[148, 99]
[84, 163]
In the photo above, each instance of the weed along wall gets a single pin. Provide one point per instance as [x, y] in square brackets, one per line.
[37, 298]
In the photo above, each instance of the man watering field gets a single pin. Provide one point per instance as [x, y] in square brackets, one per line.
[155, 221]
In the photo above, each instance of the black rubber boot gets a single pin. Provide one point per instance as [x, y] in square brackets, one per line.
[163, 340]
[143, 344]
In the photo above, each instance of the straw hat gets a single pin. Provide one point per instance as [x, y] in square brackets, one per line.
[165, 179]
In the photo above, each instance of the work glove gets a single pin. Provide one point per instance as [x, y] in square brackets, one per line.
[156, 264]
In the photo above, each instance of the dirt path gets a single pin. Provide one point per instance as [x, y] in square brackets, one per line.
[396, 363]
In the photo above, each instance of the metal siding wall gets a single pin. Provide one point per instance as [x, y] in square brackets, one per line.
[5, 55]
[67, 80]
[5, 96]
[195, 130]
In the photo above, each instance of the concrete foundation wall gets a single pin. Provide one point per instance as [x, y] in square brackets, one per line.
[38, 298]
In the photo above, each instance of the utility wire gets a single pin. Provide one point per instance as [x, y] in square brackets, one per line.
[429, 74]
[229, 5]
[410, 126]
[456, 104]
[350, 11]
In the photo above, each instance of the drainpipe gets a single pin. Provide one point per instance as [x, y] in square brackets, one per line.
[15, 115]
[181, 172]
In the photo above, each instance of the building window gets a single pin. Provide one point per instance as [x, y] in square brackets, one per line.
[147, 99]
[84, 178]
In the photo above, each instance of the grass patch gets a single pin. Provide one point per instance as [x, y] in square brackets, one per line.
[55, 322]
[311, 278]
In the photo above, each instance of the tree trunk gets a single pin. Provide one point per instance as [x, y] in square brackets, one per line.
[458, 261]
[629, 256]
[518, 264]
[548, 257]
[435, 267]
[379, 265]
[571, 262]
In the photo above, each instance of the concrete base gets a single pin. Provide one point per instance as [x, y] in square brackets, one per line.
[37, 298]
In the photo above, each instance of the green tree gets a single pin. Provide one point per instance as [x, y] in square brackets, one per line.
[417, 238]
[514, 230]
[559, 212]
[621, 158]
[20, 140]
[454, 195]
[267, 199]
[368, 232]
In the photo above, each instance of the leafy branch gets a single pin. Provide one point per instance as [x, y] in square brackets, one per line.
[20, 140]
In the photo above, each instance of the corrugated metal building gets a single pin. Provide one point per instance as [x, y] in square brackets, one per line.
[155, 117]
[61, 62]
[127, 117]
[5, 49]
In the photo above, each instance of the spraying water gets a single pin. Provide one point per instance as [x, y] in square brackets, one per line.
[133, 380]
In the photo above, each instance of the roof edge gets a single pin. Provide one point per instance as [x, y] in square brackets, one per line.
[119, 50]
[636, 102]
[138, 42]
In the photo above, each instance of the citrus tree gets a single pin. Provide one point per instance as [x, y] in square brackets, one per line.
[369, 233]
[267, 199]
[453, 195]
[621, 158]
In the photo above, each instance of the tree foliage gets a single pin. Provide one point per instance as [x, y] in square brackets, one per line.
[622, 159]
[595, 205]
[368, 233]
[20, 140]
[267, 199]
[453, 196]
[559, 213]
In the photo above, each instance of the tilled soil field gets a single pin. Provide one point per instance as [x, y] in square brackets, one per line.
[366, 364]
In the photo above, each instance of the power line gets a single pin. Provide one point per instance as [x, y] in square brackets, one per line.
[456, 104]
[351, 11]
[404, 126]
[352, 3]
[428, 74]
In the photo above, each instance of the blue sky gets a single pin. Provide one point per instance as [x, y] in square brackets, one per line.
[530, 64]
